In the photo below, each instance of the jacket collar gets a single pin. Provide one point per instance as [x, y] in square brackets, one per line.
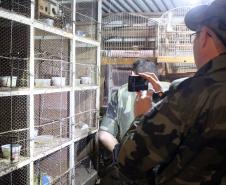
[216, 64]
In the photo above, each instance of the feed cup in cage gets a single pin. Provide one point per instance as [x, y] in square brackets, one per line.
[44, 139]
[42, 82]
[15, 151]
[8, 81]
[85, 80]
[58, 81]
[77, 81]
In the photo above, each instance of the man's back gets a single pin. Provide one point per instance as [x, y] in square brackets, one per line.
[185, 136]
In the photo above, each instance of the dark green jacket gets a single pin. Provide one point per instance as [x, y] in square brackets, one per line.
[183, 138]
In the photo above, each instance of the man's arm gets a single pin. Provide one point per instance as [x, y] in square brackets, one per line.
[107, 139]
[109, 127]
[153, 138]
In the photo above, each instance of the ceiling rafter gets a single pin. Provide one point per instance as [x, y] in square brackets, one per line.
[138, 6]
[123, 5]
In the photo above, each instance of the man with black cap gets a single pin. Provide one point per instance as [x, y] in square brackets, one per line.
[183, 138]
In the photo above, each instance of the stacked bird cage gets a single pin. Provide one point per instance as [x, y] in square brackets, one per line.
[128, 35]
[174, 45]
[125, 37]
[86, 19]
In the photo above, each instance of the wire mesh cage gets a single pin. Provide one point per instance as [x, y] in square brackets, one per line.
[14, 130]
[85, 112]
[125, 37]
[52, 64]
[51, 120]
[84, 166]
[14, 54]
[84, 148]
[57, 13]
[17, 177]
[128, 35]
[53, 168]
[86, 64]
[173, 71]
[112, 77]
[22, 7]
[84, 172]
[174, 36]
[65, 179]
[87, 18]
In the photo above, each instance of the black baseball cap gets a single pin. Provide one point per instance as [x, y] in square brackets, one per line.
[212, 16]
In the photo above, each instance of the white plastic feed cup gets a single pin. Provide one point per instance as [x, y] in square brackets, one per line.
[58, 81]
[85, 80]
[7, 81]
[15, 151]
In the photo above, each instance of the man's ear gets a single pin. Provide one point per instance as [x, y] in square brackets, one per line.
[204, 37]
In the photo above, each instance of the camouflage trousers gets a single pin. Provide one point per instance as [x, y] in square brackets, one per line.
[112, 177]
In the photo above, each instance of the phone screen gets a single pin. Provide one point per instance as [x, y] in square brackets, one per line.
[137, 83]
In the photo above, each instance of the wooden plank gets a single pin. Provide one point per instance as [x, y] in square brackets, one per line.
[167, 59]
[175, 59]
[107, 60]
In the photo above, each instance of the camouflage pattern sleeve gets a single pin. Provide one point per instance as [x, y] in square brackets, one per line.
[183, 137]
[150, 140]
[110, 120]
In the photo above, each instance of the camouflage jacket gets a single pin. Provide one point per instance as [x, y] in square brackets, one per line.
[183, 138]
[120, 112]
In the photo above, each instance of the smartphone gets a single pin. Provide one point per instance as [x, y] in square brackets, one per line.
[137, 83]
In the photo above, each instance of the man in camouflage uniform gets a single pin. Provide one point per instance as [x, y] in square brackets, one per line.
[183, 138]
[120, 114]
[120, 111]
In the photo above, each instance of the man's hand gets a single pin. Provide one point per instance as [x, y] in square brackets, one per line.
[153, 79]
[143, 103]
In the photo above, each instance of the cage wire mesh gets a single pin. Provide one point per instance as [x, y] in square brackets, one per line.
[65, 179]
[52, 120]
[55, 167]
[128, 35]
[52, 64]
[84, 170]
[14, 73]
[112, 77]
[14, 54]
[173, 71]
[86, 64]
[17, 177]
[85, 112]
[174, 36]
[87, 18]
[84, 166]
[57, 13]
[22, 7]
[125, 37]
[14, 130]
[174, 41]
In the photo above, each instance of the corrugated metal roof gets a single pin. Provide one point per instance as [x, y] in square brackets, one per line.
[146, 6]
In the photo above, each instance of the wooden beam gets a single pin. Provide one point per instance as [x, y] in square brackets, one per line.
[173, 59]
